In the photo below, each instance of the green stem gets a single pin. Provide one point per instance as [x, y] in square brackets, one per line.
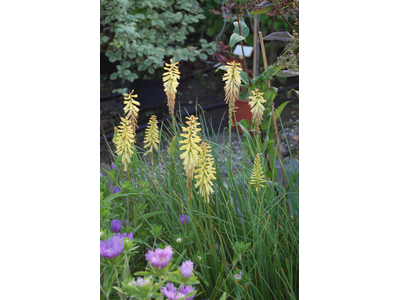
[127, 211]
[152, 166]
[241, 43]
[177, 291]
[161, 293]
[127, 264]
[116, 276]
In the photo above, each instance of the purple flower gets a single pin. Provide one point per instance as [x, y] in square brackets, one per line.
[184, 219]
[238, 276]
[101, 175]
[113, 166]
[160, 258]
[125, 235]
[112, 247]
[171, 292]
[187, 269]
[116, 189]
[116, 225]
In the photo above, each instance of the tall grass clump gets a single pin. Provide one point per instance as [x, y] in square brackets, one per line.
[231, 223]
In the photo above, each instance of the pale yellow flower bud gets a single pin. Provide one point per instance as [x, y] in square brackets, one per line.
[124, 142]
[171, 149]
[152, 136]
[131, 111]
[206, 172]
[256, 105]
[257, 177]
[170, 79]
[190, 156]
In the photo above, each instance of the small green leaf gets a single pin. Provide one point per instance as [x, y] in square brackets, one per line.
[143, 273]
[203, 56]
[114, 76]
[262, 8]
[221, 68]
[235, 38]
[188, 295]
[223, 297]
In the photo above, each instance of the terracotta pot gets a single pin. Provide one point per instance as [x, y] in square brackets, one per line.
[242, 111]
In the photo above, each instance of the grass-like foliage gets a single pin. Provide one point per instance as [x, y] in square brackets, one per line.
[237, 223]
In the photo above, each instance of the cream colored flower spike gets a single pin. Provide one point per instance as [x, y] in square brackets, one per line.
[130, 110]
[232, 81]
[170, 79]
[124, 142]
[205, 172]
[257, 177]
[191, 149]
[152, 136]
[256, 105]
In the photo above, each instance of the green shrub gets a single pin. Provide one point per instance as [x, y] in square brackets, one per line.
[141, 35]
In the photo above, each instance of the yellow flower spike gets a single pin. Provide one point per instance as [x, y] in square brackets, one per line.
[130, 110]
[124, 142]
[257, 177]
[256, 105]
[171, 83]
[191, 139]
[233, 80]
[152, 136]
[206, 172]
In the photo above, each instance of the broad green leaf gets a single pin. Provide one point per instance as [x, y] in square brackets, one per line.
[283, 36]
[235, 38]
[243, 27]
[279, 110]
[244, 77]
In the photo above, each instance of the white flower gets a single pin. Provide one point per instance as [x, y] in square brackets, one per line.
[199, 257]
[179, 240]
[101, 232]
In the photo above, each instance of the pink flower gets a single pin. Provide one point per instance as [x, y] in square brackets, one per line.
[160, 258]
[171, 292]
[187, 268]
[111, 248]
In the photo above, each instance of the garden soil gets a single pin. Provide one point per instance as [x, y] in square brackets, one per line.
[205, 89]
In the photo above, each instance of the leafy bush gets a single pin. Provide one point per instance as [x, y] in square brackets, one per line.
[141, 34]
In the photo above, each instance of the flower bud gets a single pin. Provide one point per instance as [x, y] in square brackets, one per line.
[187, 269]
[116, 225]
